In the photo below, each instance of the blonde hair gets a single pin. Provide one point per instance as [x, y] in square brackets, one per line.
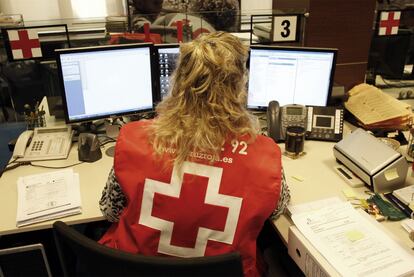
[207, 103]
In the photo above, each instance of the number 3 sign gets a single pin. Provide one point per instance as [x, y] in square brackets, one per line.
[285, 28]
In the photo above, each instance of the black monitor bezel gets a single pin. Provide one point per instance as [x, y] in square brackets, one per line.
[388, 55]
[293, 48]
[59, 52]
[156, 64]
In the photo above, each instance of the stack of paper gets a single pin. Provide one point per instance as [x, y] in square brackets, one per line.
[47, 196]
[375, 109]
[352, 243]
[262, 30]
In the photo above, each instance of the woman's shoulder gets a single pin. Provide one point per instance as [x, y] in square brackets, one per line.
[138, 124]
[266, 139]
[135, 129]
[259, 139]
[259, 143]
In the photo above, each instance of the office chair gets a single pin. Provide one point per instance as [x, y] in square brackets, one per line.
[80, 255]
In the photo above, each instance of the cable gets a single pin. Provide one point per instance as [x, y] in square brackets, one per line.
[7, 168]
[11, 162]
[108, 140]
[55, 167]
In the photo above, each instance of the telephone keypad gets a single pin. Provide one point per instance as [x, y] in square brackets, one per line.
[37, 145]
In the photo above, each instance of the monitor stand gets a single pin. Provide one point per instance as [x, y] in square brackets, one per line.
[110, 152]
[90, 127]
[112, 131]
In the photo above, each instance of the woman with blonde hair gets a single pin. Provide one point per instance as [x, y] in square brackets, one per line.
[199, 179]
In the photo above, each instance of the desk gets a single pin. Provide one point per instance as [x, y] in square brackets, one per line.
[92, 176]
[315, 168]
[321, 181]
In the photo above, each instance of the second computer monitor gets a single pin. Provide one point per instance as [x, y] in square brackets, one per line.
[290, 75]
[167, 56]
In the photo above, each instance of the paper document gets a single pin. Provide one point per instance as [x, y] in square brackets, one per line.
[353, 244]
[312, 206]
[373, 107]
[47, 196]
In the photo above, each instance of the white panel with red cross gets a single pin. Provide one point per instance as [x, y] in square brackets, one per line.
[389, 23]
[24, 44]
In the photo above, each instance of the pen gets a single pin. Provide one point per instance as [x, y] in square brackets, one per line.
[404, 208]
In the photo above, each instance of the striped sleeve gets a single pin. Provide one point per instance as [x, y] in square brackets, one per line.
[113, 199]
[283, 199]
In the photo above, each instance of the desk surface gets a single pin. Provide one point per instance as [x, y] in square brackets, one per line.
[315, 169]
[92, 176]
[321, 181]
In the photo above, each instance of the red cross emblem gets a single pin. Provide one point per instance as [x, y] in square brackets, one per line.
[183, 209]
[24, 44]
[389, 23]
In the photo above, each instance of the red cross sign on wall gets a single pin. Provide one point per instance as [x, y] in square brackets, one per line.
[190, 211]
[24, 44]
[389, 23]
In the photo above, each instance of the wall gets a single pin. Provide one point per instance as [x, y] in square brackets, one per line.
[255, 6]
[342, 24]
[34, 10]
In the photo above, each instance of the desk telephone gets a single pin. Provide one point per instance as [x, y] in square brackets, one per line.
[320, 123]
[44, 143]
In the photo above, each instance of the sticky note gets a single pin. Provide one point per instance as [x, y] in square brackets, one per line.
[391, 174]
[298, 178]
[349, 193]
[354, 235]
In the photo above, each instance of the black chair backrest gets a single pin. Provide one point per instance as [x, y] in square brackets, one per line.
[80, 255]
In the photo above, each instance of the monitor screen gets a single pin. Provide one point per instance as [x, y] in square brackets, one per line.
[104, 81]
[290, 75]
[167, 56]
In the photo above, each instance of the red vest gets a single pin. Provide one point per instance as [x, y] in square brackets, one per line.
[203, 210]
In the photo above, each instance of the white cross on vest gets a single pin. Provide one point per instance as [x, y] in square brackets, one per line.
[166, 206]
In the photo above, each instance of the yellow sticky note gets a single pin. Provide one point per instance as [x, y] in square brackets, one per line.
[298, 178]
[349, 193]
[391, 174]
[354, 235]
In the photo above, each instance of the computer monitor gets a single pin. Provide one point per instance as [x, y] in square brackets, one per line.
[166, 57]
[106, 81]
[290, 75]
[388, 55]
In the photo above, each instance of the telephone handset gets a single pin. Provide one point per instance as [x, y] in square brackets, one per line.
[22, 143]
[279, 118]
[43, 143]
[320, 123]
[273, 120]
